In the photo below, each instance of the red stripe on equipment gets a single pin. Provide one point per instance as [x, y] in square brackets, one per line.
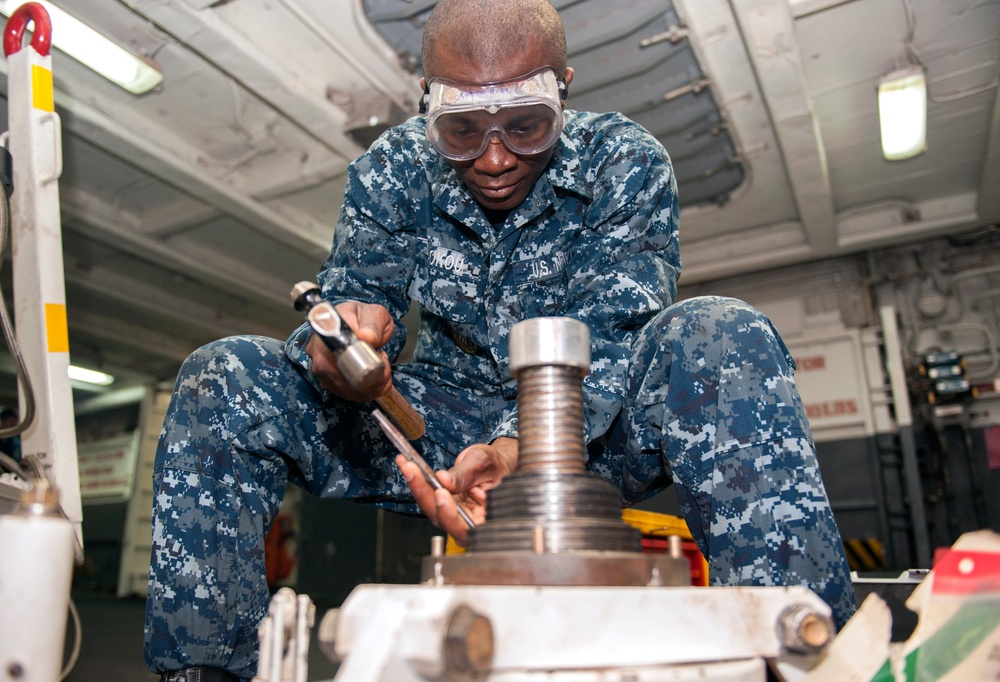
[964, 572]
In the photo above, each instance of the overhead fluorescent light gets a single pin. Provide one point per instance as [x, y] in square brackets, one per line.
[902, 113]
[90, 48]
[90, 376]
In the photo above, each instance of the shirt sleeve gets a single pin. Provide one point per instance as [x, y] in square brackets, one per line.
[624, 267]
[371, 259]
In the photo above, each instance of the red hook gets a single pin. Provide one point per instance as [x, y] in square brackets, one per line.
[13, 33]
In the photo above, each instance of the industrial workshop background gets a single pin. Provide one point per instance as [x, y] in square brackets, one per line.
[189, 211]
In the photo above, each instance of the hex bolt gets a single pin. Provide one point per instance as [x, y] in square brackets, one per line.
[468, 643]
[804, 630]
[326, 635]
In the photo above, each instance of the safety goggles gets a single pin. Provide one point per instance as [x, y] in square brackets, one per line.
[525, 113]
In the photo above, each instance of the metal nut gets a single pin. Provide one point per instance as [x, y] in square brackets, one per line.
[804, 630]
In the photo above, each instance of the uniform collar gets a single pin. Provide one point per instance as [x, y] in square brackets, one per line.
[565, 170]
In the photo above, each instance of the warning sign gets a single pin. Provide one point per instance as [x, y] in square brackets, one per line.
[830, 376]
[107, 468]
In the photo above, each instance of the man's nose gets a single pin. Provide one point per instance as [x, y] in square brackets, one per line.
[496, 159]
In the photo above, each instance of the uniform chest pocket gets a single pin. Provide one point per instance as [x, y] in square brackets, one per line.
[542, 286]
[447, 283]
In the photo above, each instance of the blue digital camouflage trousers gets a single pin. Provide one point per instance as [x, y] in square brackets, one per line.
[712, 407]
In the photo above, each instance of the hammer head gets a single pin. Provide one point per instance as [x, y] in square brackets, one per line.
[305, 295]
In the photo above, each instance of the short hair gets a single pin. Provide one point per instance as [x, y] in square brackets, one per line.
[490, 30]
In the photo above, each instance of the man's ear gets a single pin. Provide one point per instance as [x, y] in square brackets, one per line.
[564, 90]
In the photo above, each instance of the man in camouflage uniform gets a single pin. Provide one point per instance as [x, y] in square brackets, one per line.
[698, 393]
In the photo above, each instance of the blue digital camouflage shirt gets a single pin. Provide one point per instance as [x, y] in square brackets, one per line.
[699, 393]
[596, 240]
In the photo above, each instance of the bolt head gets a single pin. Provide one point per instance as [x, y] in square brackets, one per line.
[804, 630]
[468, 643]
[549, 341]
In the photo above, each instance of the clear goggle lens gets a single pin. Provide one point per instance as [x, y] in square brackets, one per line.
[525, 113]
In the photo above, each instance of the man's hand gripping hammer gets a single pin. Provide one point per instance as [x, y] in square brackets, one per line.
[359, 364]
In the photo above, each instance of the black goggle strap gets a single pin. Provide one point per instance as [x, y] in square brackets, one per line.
[425, 100]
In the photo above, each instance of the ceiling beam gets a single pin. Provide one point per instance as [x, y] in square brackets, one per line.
[359, 43]
[988, 203]
[161, 303]
[236, 40]
[755, 249]
[135, 139]
[112, 399]
[174, 218]
[765, 197]
[768, 30]
[772, 246]
[891, 223]
[804, 8]
[122, 333]
[110, 229]
[153, 149]
[255, 66]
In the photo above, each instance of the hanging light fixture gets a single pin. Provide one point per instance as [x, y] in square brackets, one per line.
[93, 50]
[90, 376]
[902, 112]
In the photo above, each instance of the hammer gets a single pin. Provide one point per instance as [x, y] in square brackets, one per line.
[357, 361]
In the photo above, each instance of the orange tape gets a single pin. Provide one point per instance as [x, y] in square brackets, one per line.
[56, 327]
[41, 88]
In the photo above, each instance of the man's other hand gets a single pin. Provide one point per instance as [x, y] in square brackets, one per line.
[372, 324]
[477, 469]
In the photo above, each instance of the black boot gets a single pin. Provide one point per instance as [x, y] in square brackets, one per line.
[199, 673]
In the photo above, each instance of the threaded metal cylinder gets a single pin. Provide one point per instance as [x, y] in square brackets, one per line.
[550, 409]
[551, 503]
[549, 356]
[552, 522]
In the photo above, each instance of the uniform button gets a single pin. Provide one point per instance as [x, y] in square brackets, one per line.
[464, 343]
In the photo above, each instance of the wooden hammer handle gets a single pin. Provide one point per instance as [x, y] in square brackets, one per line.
[402, 414]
